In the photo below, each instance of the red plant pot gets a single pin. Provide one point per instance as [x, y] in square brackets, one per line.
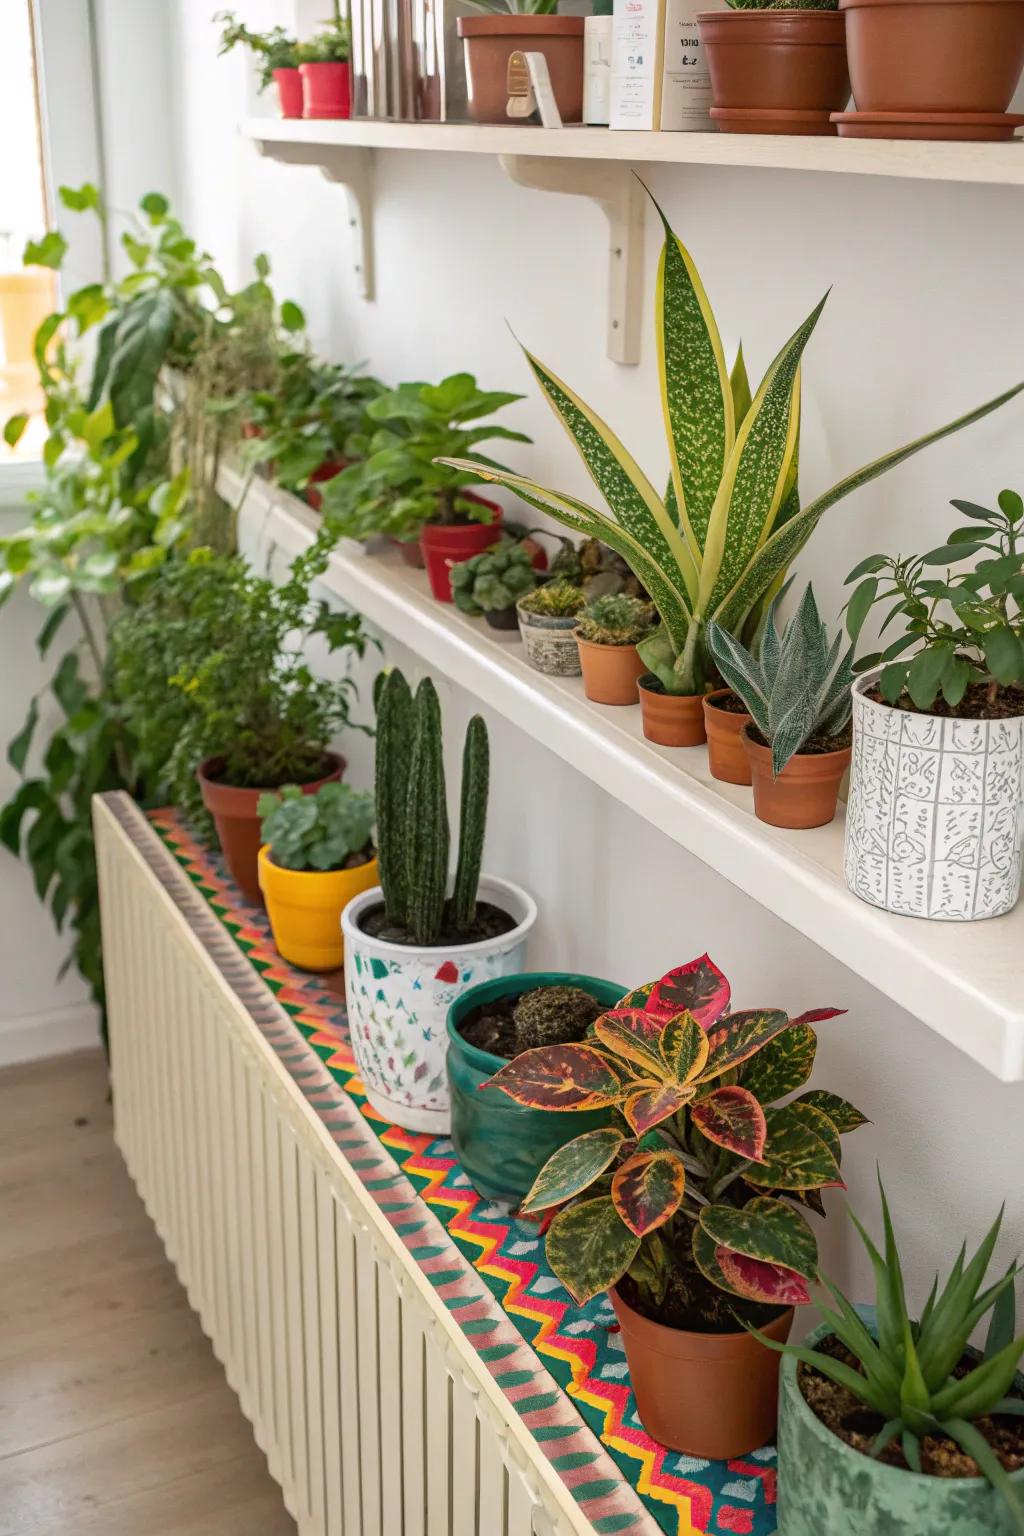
[445, 545]
[289, 91]
[327, 471]
[326, 90]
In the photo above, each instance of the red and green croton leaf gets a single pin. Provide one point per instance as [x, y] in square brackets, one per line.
[844, 1116]
[783, 1065]
[757, 1281]
[765, 1252]
[570, 1169]
[654, 1103]
[647, 1189]
[741, 1035]
[589, 1248]
[633, 1035]
[684, 1048]
[559, 1077]
[732, 1118]
[795, 1157]
[698, 988]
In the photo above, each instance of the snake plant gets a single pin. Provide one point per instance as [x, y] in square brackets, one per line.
[718, 543]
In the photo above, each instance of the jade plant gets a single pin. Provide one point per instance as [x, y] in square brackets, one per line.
[276, 49]
[413, 837]
[615, 620]
[317, 832]
[717, 544]
[697, 1189]
[494, 580]
[554, 600]
[919, 1375]
[797, 686]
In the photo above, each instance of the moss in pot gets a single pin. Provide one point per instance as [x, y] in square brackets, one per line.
[681, 1205]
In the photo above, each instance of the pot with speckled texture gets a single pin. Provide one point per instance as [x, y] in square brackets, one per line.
[827, 1486]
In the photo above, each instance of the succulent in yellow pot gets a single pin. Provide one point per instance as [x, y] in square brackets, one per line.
[317, 855]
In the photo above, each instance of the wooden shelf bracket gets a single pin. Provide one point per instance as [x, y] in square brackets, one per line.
[351, 168]
[620, 197]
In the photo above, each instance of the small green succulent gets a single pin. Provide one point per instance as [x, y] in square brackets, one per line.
[554, 600]
[316, 832]
[493, 580]
[616, 619]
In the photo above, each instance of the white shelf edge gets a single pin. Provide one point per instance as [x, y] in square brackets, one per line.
[916, 159]
[960, 979]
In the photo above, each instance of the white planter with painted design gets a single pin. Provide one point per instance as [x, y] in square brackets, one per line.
[935, 813]
[398, 999]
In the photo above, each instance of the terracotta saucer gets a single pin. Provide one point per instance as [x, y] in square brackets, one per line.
[771, 120]
[975, 126]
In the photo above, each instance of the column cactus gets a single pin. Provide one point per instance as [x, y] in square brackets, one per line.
[472, 824]
[393, 756]
[427, 838]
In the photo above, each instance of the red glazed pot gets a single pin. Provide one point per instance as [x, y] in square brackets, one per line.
[327, 471]
[445, 545]
[326, 90]
[289, 91]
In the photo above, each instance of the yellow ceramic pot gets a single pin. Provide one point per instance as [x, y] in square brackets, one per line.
[305, 907]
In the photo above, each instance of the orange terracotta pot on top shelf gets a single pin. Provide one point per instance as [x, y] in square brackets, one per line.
[326, 90]
[305, 906]
[727, 757]
[934, 56]
[289, 91]
[806, 792]
[708, 1394]
[610, 672]
[490, 41]
[775, 71]
[672, 719]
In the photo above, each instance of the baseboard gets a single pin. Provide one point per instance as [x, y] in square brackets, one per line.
[49, 1034]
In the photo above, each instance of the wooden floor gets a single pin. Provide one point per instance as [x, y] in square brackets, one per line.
[115, 1418]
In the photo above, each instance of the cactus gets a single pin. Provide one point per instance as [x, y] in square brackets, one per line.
[427, 838]
[393, 760]
[616, 619]
[472, 825]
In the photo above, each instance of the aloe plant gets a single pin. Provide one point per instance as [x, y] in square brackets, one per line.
[796, 685]
[718, 543]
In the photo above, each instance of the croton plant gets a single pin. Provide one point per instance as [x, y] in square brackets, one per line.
[697, 1183]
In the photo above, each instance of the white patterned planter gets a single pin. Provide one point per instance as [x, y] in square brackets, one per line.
[550, 642]
[935, 813]
[398, 999]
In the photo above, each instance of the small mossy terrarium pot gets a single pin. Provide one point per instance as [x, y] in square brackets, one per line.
[690, 1205]
[547, 623]
[490, 584]
[776, 66]
[608, 633]
[414, 943]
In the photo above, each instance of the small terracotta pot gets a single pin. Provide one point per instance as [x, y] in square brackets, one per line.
[289, 91]
[489, 42]
[238, 822]
[326, 90]
[727, 757]
[805, 793]
[934, 55]
[410, 551]
[610, 672]
[327, 471]
[775, 71]
[305, 906]
[448, 544]
[709, 1394]
[672, 719]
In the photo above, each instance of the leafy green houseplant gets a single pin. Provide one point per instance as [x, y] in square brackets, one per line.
[311, 424]
[491, 583]
[892, 1421]
[423, 935]
[607, 634]
[325, 831]
[547, 623]
[274, 50]
[691, 1202]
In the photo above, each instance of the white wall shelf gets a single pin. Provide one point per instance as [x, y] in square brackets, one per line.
[961, 979]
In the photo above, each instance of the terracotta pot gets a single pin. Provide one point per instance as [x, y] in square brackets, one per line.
[805, 793]
[727, 756]
[610, 672]
[709, 1394]
[410, 551]
[289, 91]
[934, 55]
[305, 906]
[326, 90]
[448, 544]
[491, 40]
[238, 823]
[966, 127]
[775, 71]
[672, 719]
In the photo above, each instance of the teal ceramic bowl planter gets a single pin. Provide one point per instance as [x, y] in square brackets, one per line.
[501, 1145]
[827, 1486]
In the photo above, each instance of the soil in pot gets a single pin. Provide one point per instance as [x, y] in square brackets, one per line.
[806, 792]
[490, 923]
[775, 71]
[725, 715]
[671, 719]
[944, 56]
[502, 1026]
[490, 41]
[976, 703]
[610, 672]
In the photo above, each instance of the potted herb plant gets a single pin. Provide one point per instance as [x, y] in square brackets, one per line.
[889, 1422]
[317, 854]
[411, 947]
[797, 691]
[502, 28]
[502, 1145]
[547, 623]
[733, 465]
[689, 1206]
[776, 66]
[935, 820]
[278, 55]
[491, 583]
[325, 70]
[607, 634]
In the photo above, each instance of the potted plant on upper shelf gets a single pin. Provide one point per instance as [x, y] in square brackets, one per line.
[410, 946]
[491, 583]
[399, 489]
[776, 66]
[325, 71]
[508, 26]
[935, 819]
[317, 854]
[895, 1423]
[211, 670]
[681, 1206]
[607, 635]
[718, 543]
[278, 53]
[547, 622]
[502, 1145]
